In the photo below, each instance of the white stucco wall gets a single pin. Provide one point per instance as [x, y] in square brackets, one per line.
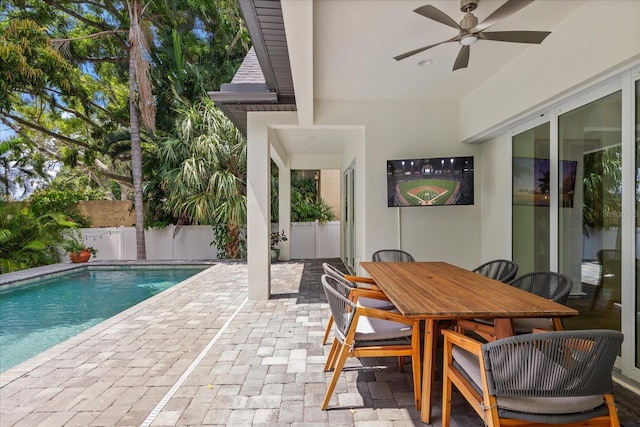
[396, 131]
[544, 76]
[495, 203]
[597, 38]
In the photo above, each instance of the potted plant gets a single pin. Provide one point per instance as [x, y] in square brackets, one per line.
[78, 250]
[276, 238]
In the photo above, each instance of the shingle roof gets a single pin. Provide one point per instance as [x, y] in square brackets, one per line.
[249, 71]
[264, 81]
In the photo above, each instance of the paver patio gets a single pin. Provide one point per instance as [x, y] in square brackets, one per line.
[200, 353]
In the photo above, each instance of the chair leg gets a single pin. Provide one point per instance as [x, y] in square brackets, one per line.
[333, 353]
[328, 330]
[446, 388]
[614, 421]
[344, 352]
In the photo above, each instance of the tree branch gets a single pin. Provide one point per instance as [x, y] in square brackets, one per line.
[96, 24]
[39, 128]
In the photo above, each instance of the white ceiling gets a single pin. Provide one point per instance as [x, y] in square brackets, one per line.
[354, 42]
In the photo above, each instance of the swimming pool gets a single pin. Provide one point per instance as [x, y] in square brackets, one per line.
[46, 311]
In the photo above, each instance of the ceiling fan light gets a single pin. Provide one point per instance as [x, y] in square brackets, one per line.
[469, 39]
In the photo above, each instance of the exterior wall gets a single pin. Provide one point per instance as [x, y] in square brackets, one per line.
[495, 167]
[330, 189]
[571, 56]
[108, 213]
[401, 130]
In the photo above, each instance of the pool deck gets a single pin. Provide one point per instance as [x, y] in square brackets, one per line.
[200, 354]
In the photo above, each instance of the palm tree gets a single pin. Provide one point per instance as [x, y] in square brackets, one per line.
[204, 177]
[141, 105]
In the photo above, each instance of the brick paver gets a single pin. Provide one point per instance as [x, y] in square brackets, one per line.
[264, 368]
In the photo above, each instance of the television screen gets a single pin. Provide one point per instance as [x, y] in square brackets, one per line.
[531, 181]
[436, 181]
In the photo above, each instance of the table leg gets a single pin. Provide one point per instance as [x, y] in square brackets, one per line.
[428, 370]
[503, 327]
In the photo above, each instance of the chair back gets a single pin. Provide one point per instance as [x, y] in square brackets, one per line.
[547, 284]
[332, 271]
[342, 309]
[558, 364]
[498, 269]
[392, 255]
[338, 276]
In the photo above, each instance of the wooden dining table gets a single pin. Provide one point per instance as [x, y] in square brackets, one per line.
[437, 291]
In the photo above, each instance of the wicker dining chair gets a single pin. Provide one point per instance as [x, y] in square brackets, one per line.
[547, 284]
[498, 269]
[373, 300]
[561, 377]
[392, 255]
[368, 332]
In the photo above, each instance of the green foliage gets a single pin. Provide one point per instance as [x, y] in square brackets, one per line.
[304, 210]
[602, 187]
[28, 240]
[28, 63]
[63, 201]
[65, 74]
[306, 205]
[202, 175]
[73, 243]
[276, 238]
[224, 238]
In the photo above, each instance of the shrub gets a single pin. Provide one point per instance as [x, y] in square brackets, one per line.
[28, 240]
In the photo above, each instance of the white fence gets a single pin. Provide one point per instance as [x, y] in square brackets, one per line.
[308, 240]
[315, 240]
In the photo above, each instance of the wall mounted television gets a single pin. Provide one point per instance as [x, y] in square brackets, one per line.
[434, 181]
[531, 182]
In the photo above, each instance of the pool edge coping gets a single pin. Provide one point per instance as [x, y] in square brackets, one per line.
[62, 267]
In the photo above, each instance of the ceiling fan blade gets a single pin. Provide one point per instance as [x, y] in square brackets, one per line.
[533, 37]
[463, 58]
[422, 49]
[437, 15]
[507, 9]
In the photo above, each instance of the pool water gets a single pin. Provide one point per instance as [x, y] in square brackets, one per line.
[39, 315]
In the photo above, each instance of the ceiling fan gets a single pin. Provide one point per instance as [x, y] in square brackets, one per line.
[470, 31]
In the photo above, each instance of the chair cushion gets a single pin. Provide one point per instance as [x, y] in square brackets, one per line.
[375, 303]
[526, 325]
[470, 364]
[550, 405]
[373, 329]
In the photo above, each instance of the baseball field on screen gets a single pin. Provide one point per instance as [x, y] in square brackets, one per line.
[428, 191]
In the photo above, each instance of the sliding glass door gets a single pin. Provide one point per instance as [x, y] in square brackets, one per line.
[531, 197]
[590, 210]
[576, 206]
